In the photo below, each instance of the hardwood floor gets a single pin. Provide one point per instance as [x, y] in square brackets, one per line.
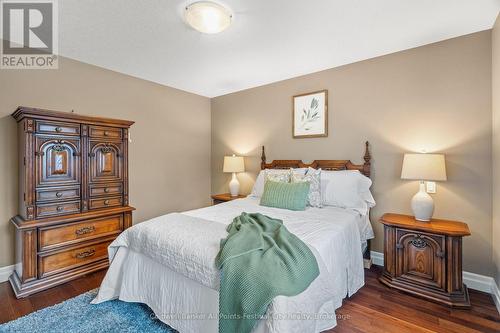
[374, 308]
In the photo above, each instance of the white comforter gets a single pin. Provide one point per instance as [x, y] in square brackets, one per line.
[184, 246]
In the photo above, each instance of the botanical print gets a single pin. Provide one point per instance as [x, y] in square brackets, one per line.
[310, 115]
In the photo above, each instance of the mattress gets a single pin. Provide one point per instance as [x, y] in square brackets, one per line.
[181, 295]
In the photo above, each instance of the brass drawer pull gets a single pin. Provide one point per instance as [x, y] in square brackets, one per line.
[106, 133]
[106, 190]
[85, 254]
[106, 202]
[85, 230]
[59, 208]
[59, 194]
[58, 129]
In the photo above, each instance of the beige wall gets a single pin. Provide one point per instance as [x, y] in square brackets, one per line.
[170, 149]
[496, 145]
[436, 97]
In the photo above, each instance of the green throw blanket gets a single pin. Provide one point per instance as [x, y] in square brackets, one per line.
[259, 260]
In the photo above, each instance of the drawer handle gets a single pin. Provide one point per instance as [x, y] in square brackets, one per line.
[106, 133]
[106, 190]
[85, 230]
[59, 208]
[440, 254]
[58, 129]
[106, 202]
[85, 254]
[59, 194]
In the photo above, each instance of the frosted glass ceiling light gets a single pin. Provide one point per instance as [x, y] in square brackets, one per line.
[208, 17]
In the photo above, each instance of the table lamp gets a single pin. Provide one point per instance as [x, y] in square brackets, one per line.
[423, 167]
[234, 164]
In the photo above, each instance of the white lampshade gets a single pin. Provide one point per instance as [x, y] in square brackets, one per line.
[208, 17]
[233, 164]
[429, 167]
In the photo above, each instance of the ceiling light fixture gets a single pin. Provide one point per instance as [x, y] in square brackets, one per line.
[208, 17]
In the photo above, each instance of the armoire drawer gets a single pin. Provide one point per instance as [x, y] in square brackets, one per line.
[57, 127]
[59, 208]
[105, 132]
[58, 194]
[97, 190]
[67, 234]
[60, 261]
[105, 202]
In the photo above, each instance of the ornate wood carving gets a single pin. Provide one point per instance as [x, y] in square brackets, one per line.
[323, 164]
[425, 259]
[30, 125]
[28, 249]
[57, 161]
[416, 260]
[30, 212]
[418, 242]
[105, 163]
[64, 157]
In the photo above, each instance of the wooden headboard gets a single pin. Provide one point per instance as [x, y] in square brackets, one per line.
[323, 164]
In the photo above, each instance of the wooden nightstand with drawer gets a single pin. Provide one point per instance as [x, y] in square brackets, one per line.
[224, 197]
[425, 258]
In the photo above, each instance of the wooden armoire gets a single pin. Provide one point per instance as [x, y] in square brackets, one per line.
[73, 196]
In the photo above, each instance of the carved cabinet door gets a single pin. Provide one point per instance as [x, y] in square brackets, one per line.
[420, 258]
[105, 161]
[57, 161]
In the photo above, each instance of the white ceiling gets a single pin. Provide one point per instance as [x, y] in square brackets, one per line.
[269, 40]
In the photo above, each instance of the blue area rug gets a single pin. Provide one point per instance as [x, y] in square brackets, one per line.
[78, 315]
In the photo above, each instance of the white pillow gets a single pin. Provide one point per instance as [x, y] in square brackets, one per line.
[299, 171]
[347, 189]
[258, 187]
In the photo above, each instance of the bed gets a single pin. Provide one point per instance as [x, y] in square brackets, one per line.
[167, 262]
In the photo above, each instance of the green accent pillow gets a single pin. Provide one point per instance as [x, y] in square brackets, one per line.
[291, 196]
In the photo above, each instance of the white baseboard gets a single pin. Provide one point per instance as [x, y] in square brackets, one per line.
[5, 272]
[495, 293]
[377, 258]
[473, 281]
[479, 282]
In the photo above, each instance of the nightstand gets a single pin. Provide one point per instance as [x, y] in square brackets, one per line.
[225, 197]
[425, 258]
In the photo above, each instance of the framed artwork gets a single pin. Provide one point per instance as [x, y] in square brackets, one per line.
[310, 115]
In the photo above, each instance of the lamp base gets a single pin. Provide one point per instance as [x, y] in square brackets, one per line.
[234, 186]
[422, 205]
